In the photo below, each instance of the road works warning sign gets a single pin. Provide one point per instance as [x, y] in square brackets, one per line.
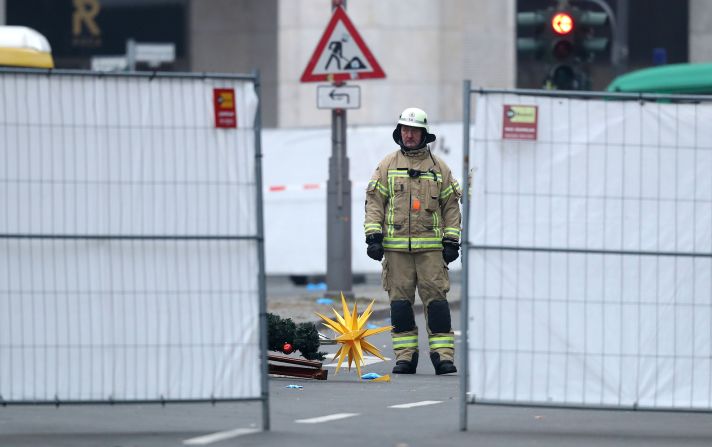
[519, 122]
[341, 54]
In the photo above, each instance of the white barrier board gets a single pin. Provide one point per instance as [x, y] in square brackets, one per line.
[589, 276]
[134, 318]
[296, 167]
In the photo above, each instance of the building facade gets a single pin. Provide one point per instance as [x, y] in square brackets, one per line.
[426, 48]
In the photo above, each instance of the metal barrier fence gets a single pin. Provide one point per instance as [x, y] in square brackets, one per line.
[588, 250]
[131, 247]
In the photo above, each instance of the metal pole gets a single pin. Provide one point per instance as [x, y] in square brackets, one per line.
[622, 22]
[261, 282]
[131, 55]
[464, 320]
[339, 277]
[338, 223]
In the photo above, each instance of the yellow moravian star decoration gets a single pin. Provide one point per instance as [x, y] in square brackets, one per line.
[352, 334]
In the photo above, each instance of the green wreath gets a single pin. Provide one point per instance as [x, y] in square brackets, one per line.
[302, 337]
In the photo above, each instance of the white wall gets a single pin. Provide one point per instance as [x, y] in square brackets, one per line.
[426, 49]
[298, 196]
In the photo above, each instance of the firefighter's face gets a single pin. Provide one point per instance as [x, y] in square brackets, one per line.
[411, 136]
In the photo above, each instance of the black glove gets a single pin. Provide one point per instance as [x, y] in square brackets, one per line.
[375, 246]
[451, 250]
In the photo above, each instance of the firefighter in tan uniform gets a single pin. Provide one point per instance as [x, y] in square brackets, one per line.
[413, 218]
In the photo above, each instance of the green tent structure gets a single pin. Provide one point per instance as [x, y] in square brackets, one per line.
[688, 79]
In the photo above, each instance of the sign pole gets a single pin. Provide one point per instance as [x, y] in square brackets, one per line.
[339, 278]
[338, 213]
[340, 55]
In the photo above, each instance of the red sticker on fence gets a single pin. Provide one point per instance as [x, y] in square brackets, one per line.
[224, 103]
[519, 122]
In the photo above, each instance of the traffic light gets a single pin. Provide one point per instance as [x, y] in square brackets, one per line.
[531, 44]
[589, 22]
[564, 37]
[564, 52]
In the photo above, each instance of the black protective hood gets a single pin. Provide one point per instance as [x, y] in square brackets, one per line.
[427, 139]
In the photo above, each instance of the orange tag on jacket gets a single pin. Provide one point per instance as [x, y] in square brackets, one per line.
[416, 204]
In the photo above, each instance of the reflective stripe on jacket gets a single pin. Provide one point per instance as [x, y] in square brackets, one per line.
[413, 200]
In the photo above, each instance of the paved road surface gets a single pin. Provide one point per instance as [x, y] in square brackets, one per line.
[344, 411]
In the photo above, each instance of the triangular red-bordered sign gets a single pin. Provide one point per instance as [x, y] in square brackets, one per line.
[341, 54]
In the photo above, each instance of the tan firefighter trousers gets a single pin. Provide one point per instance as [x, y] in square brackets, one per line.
[426, 270]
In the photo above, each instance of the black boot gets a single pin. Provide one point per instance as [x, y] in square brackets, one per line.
[442, 366]
[405, 366]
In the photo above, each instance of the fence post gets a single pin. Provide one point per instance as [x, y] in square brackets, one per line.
[464, 242]
[261, 282]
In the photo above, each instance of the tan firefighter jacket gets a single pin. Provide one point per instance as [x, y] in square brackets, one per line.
[413, 201]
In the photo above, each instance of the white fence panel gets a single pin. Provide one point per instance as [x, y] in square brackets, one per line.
[589, 272]
[129, 253]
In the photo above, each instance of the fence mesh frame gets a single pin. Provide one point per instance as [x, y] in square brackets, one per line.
[133, 238]
[469, 248]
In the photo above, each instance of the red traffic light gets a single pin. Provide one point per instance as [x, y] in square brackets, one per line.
[562, 23]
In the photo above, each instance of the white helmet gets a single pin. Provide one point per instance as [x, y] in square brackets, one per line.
[413, 117]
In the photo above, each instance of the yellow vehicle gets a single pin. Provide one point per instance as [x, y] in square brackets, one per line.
[21, 46]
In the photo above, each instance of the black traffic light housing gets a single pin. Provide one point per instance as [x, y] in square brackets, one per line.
[564, 52]
[565, 39]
